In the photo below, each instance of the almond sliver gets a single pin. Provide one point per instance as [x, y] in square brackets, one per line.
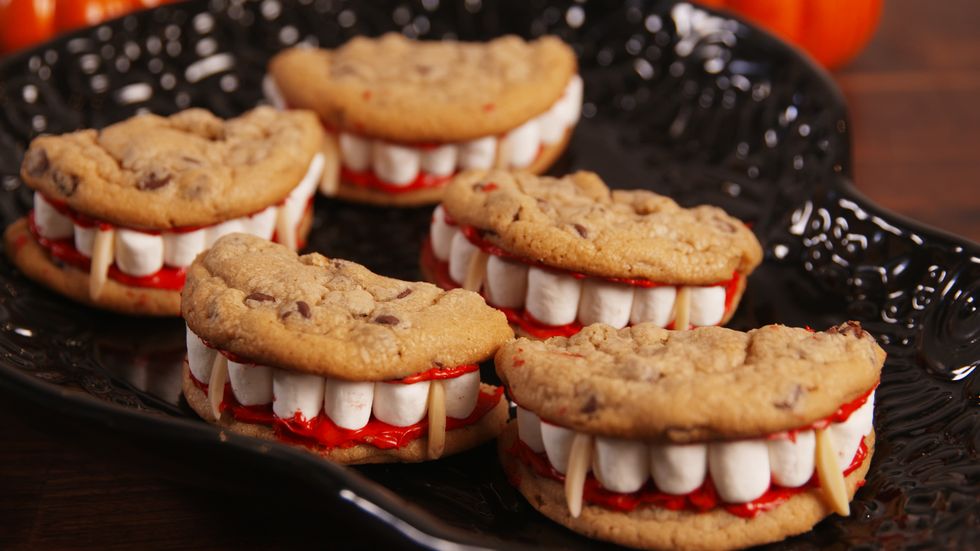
[216, 386]
[579, 459]
[437, 419]
[830, 475]
[476, 272]
[102, 258]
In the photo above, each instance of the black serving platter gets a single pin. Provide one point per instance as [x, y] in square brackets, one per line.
[699, 106]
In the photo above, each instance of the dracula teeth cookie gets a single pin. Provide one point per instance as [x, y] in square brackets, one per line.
[319, 352]
[120, 213]
[701, 439]
[407, 115]
[556, 254]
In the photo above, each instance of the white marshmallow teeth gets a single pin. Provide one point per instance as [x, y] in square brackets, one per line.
[678, 469]
[296, 395]
[348, 403]
[552, 298]
[251, 384]
[51, 223]
[400, 404]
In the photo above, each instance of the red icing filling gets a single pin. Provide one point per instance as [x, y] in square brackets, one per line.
[368, 179]
[167, 278]
[322, 432]
[439, 271]
[706, 497]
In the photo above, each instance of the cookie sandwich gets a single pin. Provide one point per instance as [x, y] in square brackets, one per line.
[702, 439]
[407, 115]
[556, 254]
[120, 213]
[350, 365]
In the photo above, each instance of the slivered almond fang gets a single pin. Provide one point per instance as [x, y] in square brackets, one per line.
[830, 475]
[579, 459]
[682, 309]
[102, 258]
[330, 179]
[216, 386]
[285, 228]
[476, 271]
[437, 419]
[503, 154]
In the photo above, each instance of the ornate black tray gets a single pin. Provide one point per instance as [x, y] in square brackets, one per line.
[685, 102]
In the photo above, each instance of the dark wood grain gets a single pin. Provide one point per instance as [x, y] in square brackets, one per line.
[913, 95]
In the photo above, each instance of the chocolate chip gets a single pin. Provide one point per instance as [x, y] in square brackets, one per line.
[582, 230]
[153, 181]
[848, 328]
[66, 183]
[791, 399]
[36, 163]
[191, 160]
[591, 405]
[260, 297]
[724, 225]
[404, 293]
[517, 215]
[303, 308]
[386, 319]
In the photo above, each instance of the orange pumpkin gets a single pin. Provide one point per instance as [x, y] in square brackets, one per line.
[832, 31]
[27, 22]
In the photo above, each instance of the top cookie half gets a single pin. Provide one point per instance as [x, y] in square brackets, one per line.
[576, 223]
[331, 317]
[189, 169]
[400, 90]
[685, 386]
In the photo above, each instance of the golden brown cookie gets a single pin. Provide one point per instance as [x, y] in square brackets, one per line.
[324, 353]
[120, 213]
[407, 115]
[559, 253]
[704, 439]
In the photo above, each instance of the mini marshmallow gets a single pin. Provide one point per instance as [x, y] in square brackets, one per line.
[251, 384]
[707, 305]
[529, 429]
[261, 224]
[395, 164]
[355, 152]
[552, 297]
[217, 231]
[621, 465]
[85, 239]
[137, 253]
[653, 304]
[792, 460]
[739, 470]
[200, 358]
[299, 197]
[439, 161]
[552, 125]
[523, 143]
[441, 234]
[50, 223]
[180, 249]
[605, 302]
[296, 393]
[678, 469]
[480, 153]
[348, 403]
[272, 93]
[557, 445]
[506, 282]
[460, 254]
[461, 394]
[570, 104]
[847, 436]
[399, 404]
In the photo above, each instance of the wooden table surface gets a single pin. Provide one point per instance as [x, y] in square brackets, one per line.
[915, 114]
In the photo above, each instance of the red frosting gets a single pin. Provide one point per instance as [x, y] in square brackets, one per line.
[521, 317]
[706, 497]
[368, 179]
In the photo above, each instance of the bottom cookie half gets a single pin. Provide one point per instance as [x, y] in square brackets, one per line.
[457, 440]
[658, 528]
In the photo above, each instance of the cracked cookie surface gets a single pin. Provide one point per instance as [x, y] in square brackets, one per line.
[332, 317]
[189, 169]
[708, 383]
[402, 90]
[577, 223]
